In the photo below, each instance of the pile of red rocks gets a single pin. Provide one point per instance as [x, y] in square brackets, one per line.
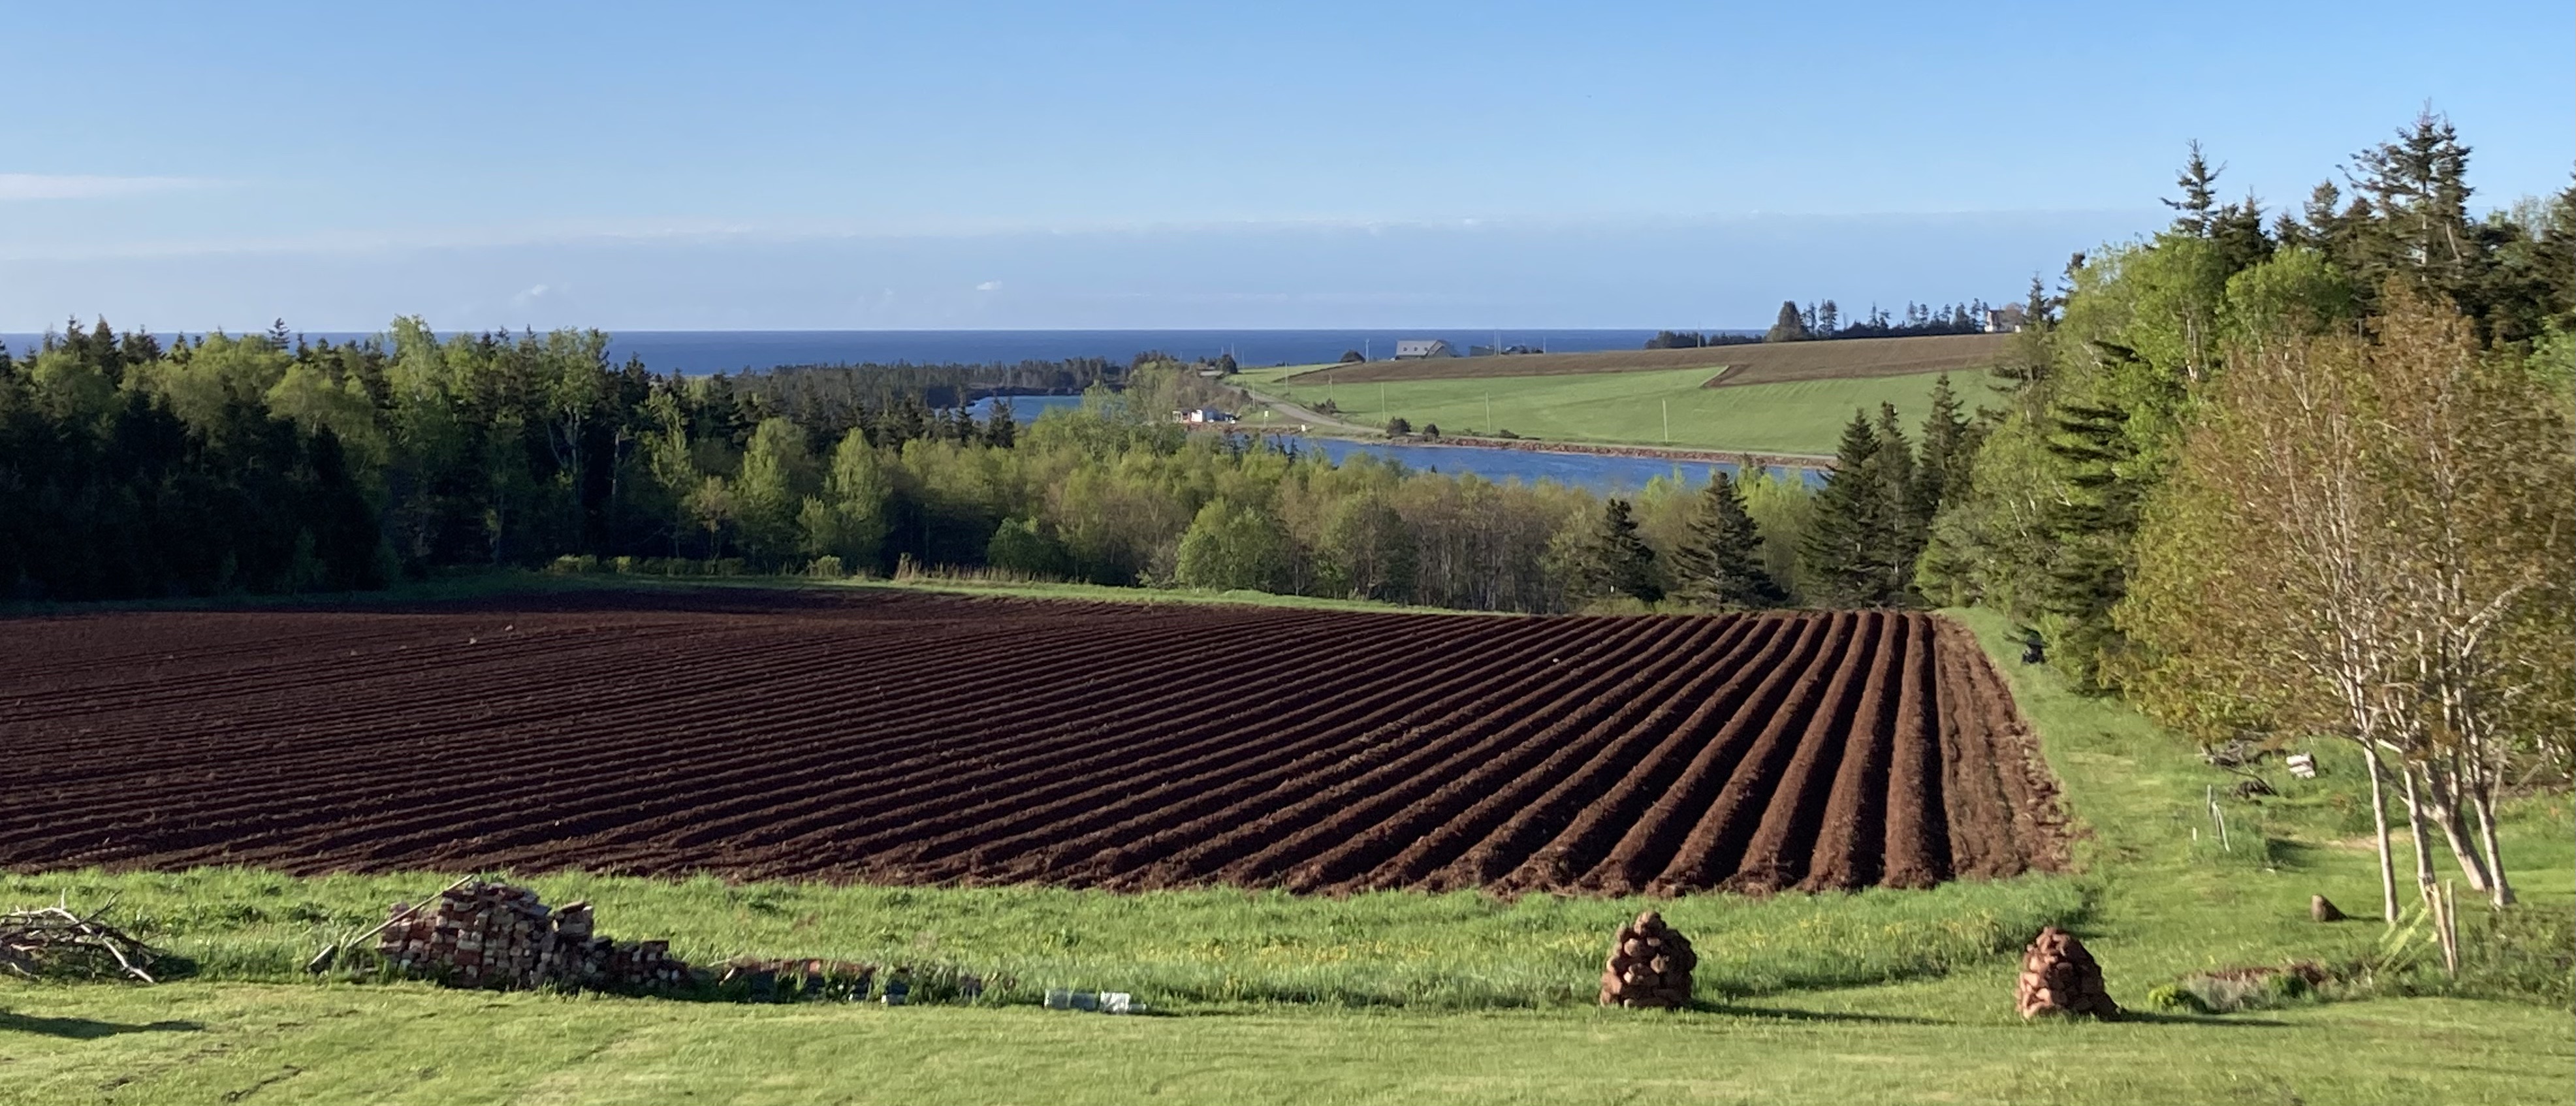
[2059, 977]
[1650, 966]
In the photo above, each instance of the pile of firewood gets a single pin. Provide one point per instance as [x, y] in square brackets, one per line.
[1650, 966]
[478, 934]
[53, 941]
[2058, 976]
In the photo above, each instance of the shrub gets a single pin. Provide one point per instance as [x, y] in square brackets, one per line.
[2177, 998]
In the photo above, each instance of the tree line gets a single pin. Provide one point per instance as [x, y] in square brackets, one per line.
[1825, 321]
[2306, 476]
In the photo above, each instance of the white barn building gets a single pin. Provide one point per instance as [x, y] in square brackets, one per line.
[1414, 349]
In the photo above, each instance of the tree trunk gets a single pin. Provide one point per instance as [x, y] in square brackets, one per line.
[2379, 835]
[2445, 800]
[2415, 830]
[2502, 892]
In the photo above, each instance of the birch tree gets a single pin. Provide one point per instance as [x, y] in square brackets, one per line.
[2473, 459]
[2266, 595]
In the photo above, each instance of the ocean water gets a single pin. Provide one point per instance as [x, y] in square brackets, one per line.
[712, 351]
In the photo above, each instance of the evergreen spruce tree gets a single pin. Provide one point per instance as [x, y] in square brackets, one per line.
[2198, 182]
[1615, 560]
[1837, 556]
[2237, 228]
[1897, 544]
[2089, 530]
[2417, 192]
[1947, 450]
[1721, 565]
[1001, 428]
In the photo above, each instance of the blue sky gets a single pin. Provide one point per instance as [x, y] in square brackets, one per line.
[636, 166]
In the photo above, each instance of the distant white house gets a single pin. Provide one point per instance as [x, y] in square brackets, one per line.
[1205, 416]
[1414, 349]
[2006, 319]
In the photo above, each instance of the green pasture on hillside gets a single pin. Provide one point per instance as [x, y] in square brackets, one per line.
[1804, 417]
[1870, 997]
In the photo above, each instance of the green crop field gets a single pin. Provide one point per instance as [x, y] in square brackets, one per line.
[1397, 997]
[1632, 408]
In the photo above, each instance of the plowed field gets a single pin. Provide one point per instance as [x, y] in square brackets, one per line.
[905, 738]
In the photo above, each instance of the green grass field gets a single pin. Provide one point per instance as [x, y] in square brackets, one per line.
[1803, 417]
[1880, 996]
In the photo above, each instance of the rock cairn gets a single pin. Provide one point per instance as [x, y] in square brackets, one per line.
[2059, 977]
[1650, 966]
[495, 935]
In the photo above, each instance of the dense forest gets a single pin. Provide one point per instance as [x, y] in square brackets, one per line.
[2262, 472]
[141, 468]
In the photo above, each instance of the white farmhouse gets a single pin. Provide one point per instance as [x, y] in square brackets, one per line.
[1414, 349]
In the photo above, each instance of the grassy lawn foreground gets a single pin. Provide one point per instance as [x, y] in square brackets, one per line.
[267, 1044]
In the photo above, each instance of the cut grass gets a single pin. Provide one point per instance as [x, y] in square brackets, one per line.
[284, 1045]
[1176, 949]
[1803, 418]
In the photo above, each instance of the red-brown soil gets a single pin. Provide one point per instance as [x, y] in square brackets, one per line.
[907, 738]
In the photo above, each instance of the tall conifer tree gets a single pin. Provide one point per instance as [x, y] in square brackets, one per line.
[1616, 560]
[1839, 556]
[1721, 566]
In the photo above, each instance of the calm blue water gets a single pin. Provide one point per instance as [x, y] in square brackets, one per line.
[1599, 473]
[1024, 409]
[708, 351]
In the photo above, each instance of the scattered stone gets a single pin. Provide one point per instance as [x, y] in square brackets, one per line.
[2059, 977]
[1650, 966]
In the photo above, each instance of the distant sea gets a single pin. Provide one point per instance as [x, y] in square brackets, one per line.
[712, 351]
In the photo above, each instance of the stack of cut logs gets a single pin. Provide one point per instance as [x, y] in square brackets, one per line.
[495, 935]
[2059, 977]
[1650, 966]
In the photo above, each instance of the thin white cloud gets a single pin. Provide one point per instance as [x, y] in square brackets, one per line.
[730, 232]
[56, 186]
[530, 296]
[989, 286]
